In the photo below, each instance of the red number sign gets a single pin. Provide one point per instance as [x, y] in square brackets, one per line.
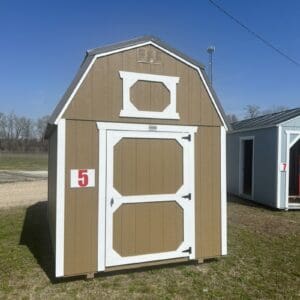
[83, 178]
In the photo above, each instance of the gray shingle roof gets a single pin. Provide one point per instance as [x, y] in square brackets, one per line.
[91, 53]
[267, 120]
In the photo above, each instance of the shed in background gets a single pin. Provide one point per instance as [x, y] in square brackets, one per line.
[263, 159]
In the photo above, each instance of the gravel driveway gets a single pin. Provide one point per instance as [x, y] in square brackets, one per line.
[22, 188]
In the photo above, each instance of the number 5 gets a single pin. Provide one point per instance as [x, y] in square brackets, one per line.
[83, 178]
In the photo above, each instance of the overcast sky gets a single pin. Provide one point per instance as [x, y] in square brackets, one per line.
[42, 44]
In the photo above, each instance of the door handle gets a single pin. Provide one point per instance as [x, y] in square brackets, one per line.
[112, 201]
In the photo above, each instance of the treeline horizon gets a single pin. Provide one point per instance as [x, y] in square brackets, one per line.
[22, 134]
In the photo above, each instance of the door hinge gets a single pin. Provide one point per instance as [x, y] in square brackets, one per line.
[188, 137]
[188, 196]
[188, 250]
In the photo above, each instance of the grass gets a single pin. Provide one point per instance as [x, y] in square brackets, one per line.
[23, 161]
[263, 262]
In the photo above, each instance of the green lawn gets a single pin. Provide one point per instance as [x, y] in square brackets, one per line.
[263, 262]
[23, 161]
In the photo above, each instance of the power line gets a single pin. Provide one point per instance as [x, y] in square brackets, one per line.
[267, 43]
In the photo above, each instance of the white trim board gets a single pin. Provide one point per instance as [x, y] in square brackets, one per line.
[132, 47]
[279, 139]
[130, 110]
[60, 198]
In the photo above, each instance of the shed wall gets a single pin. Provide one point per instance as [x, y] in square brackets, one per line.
[265, 164]
[52, 175]
[81, 205]
[100, 95]
[98, 99]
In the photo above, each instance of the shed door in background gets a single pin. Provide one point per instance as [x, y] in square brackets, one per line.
[247, 167]
[149, 201]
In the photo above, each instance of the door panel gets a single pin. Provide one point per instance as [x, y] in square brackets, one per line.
[144, 228]
[149, 196]
[147, 166]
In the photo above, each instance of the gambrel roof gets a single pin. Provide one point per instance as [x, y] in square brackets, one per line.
[267, 120]
[92, 54]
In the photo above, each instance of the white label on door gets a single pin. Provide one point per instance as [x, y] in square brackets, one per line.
[81, 178]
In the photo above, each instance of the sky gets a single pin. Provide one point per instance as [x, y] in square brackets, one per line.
[42, 44]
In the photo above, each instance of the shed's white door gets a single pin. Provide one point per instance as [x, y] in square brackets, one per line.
[149, 196]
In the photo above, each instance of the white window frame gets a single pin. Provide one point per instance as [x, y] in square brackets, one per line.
[107, 256]
[241, 166]
[130, 110]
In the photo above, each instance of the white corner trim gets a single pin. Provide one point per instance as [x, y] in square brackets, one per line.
[132, 47]
[223, 193]
[130, 110]
[279, 138]
[60, 198]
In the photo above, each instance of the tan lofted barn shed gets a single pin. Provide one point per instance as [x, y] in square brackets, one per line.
[136, 162]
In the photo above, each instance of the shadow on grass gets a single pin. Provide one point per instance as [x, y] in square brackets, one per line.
[35, 235]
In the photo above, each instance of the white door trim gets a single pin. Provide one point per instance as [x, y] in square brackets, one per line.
[289, 145]
[144, 130]
[241, 166]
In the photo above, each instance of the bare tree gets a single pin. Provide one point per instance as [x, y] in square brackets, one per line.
[252, 111]
[41, 125]
[3, 126]
[10, 121]
[232, 118]
[18, 126]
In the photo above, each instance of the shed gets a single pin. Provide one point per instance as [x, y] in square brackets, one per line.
[263, 158]
[136, 162]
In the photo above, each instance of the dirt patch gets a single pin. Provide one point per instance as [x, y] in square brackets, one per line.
[22, 193]
[261, 219]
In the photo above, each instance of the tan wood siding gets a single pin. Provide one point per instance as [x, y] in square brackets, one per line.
[149, 96]
[52, 175]
[144, 228]
[145, 167]
[208, 192]
[100, 95]
[81, 204]
[100, 99]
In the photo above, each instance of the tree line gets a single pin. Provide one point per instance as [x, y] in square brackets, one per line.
[252, 111]
[22, 134]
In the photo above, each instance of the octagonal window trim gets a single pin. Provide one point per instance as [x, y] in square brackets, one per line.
[129, 110]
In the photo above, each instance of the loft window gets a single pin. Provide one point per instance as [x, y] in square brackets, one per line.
[130, 110]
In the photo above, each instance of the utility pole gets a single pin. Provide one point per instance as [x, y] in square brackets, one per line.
[210, 51]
